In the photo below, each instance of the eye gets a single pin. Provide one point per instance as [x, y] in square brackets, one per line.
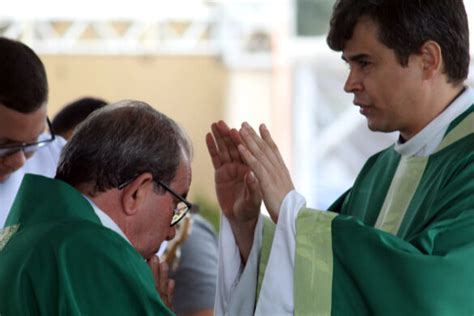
[364, 63]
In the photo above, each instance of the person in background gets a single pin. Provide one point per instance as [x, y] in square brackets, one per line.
[401, 240]
[79, 244]
[66, 120]
[26, 142]
[194, 268]
[191, 255]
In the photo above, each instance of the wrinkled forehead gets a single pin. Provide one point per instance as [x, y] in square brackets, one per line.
[21, 127]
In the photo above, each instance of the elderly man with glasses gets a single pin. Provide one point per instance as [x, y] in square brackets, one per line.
[25, 145]
[84, 242]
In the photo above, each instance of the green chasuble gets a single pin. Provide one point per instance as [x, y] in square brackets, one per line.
[56, 258]
[400, 242]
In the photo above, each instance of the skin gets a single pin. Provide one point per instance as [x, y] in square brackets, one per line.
[144, 215]
[17, 127]
[237, 188]
[391, 97]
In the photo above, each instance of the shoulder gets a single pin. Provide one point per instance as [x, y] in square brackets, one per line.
[80, 238]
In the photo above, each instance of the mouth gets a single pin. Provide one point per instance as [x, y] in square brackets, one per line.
[364, 109]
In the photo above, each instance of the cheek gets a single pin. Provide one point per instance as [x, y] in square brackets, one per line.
[164, 212]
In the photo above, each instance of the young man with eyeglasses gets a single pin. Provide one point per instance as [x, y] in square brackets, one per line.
[25, 145]
[84, 238]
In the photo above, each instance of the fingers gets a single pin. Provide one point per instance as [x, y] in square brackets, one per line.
[266, 154]
[164, 286]
[254, 196]
[171, 286]
[265, 133]
[264, 159]
[154, 264]
[219, 133]
[222, 144]
[213, 152]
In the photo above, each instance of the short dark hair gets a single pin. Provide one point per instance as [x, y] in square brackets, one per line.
[23, 82]
[119, 142]
[405, 25]
[74, 113]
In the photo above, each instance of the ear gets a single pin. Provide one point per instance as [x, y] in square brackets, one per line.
[135, 193]
[432, 59]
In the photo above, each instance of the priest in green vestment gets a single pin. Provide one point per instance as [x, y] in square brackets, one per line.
[84, 242]
[401, 240]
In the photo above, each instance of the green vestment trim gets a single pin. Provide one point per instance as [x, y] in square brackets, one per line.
[267, 240]
[7, 233]
[313, 263]
[401, 191]
[461, 130]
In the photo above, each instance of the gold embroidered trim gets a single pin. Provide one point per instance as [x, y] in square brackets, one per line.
[7, 233]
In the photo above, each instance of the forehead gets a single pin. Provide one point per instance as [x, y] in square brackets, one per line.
[21, 127]
[364, 39]
[182, 179]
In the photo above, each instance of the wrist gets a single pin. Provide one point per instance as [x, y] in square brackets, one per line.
[244, 235]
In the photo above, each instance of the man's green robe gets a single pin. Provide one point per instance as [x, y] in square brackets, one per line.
[56, 258]
[400, 242]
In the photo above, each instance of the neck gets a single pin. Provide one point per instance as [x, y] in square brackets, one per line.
[107, 202]
[434, 104]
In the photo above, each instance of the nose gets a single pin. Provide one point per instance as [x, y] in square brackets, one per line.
[15, 161]
[353, 82]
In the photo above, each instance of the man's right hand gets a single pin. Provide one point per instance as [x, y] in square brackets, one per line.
[237, 188]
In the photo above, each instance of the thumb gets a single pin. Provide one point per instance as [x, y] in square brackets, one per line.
[253, 188]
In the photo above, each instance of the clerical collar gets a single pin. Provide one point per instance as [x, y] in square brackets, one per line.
[425, 142]
[105, 219]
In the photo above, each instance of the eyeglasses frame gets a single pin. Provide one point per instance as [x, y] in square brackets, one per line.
[14, 148]
[172, 192]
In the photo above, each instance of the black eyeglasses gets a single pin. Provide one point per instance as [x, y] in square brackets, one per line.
[28, 148]
[181, 209]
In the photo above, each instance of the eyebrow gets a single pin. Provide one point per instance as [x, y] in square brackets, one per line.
[355, 57]
[8, 141]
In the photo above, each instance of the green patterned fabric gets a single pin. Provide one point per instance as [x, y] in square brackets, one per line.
[60, 260]
[267, 240]
[422, 264]
[313, 263]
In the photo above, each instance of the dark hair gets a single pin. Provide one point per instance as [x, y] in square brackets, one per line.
[23, 83]
[119, 142]
[405, 25]
[74, 113]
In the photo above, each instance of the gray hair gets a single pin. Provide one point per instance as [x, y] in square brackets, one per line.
[121, 141]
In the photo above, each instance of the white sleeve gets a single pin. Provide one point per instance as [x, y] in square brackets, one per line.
[236, 289]
[276, 294]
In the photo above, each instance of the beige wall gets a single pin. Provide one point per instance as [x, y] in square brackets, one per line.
[191, 90]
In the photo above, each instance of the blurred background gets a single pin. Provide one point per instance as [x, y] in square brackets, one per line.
[200, 61]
